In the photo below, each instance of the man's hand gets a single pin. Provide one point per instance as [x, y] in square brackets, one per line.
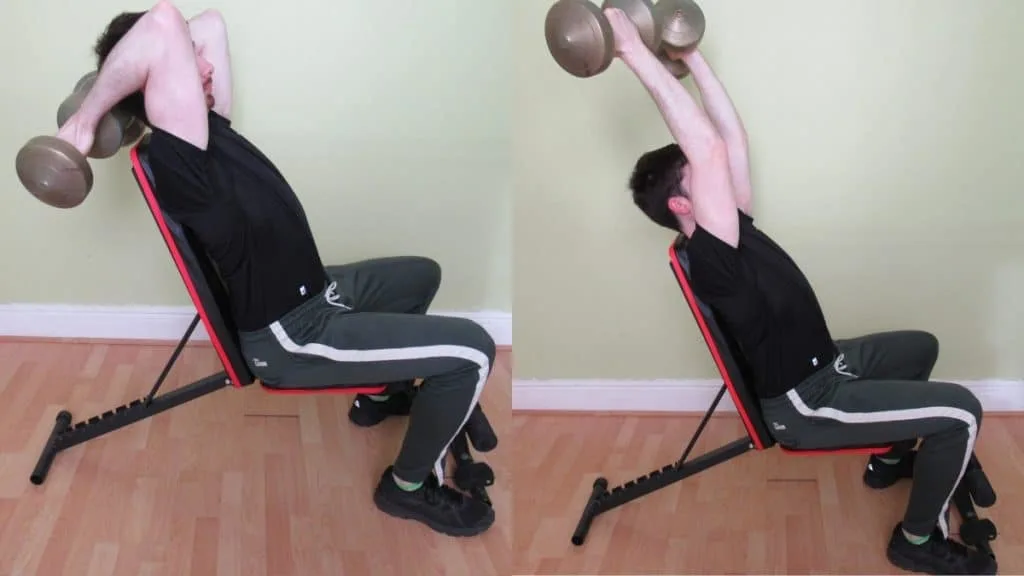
[627, 37]
[79, 133]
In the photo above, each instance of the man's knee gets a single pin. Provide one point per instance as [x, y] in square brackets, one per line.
[427, 270]
[478, 338]
[964, 399]
[928, 344]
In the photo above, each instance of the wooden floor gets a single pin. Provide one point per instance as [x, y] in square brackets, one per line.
[760, 513]
[236, 483]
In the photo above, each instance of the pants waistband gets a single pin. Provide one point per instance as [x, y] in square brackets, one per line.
[836, 369]
[326, 299]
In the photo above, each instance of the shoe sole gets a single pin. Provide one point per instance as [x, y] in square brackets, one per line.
[367, 423]
[364, 423]
[904, 563]
[388, 508]
[907, 564]
[877, 483]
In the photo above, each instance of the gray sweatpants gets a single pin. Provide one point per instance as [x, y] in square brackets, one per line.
[370, 327]
[877, 392]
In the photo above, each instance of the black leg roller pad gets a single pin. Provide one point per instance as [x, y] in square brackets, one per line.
[470, 476]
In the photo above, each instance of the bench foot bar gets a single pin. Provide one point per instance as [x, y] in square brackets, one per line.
[602, 500]
[66, 435]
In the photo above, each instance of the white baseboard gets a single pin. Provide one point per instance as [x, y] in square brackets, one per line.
[156, 322]
[690, 395]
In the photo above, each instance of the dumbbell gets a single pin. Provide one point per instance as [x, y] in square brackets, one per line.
[132, 133]
[54, 171]
[580, 38]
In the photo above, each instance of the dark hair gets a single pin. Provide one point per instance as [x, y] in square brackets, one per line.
[133, 104]
[655, 179]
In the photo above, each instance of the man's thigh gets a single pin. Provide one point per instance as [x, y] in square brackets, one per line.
[874, 412]
[400, 284]
[894, 355]
[356, 349]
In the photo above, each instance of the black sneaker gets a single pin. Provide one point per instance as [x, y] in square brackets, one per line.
[366, 411]
[937, 556]
[879, 475]
[438, 506]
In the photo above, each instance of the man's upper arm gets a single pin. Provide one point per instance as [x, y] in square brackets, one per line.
[711, 194]
[174, 96]
[739, 169]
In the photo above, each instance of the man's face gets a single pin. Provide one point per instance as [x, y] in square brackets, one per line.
[205, 77]
[681, 205]
[685, 175]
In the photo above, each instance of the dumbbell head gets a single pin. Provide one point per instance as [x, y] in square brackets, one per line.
[579, 37]
[682, 29]
[133, 132]
[682, 24]
[54, 171]
[85, 82]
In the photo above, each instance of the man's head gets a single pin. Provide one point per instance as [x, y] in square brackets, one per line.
[660, 184]
[135, 104]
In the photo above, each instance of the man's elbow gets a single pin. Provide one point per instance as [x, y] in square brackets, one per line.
[709, 148]
[165, 8]
[213, 17]
[167, 17]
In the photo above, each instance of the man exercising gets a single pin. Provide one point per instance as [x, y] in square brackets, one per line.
[300, 325]
[815, 392]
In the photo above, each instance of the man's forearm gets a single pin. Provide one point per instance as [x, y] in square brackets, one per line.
[209, 32]
[126, 69]
[684, 117]
[206, 29]
[716, 99]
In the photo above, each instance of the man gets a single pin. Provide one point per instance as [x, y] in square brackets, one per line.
[815, 392]
[300, 325]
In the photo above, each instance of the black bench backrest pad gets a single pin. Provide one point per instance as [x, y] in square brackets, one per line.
[203, 282]
[735, 371]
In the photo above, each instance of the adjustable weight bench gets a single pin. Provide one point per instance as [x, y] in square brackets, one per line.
[210, 297]
[974, 488]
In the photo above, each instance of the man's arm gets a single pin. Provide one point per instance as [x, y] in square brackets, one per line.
[714, 206]
[210, 34]
[727, 121]
[156, 56]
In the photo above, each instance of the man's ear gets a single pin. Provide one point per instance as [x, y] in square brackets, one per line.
[678, 205]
